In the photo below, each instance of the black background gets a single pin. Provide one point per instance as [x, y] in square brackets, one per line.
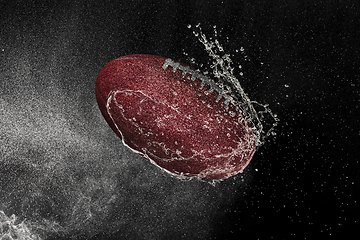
[302, 58]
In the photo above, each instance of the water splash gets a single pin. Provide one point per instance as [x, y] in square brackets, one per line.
[10, 230]
[223, 71]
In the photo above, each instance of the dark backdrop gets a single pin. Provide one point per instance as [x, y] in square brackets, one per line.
[65, 173]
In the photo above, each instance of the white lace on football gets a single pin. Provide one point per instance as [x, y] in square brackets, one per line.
[196, 75]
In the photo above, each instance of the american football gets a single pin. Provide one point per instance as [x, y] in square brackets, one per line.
[175, 116]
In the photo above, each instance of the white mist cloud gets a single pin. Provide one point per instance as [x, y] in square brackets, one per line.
[64, 172]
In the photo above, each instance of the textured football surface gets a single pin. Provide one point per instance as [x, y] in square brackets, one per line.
[175, 117]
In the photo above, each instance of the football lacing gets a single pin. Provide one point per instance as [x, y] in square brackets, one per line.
[196, 75]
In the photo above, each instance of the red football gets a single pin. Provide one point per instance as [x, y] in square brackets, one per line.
[174, 116]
